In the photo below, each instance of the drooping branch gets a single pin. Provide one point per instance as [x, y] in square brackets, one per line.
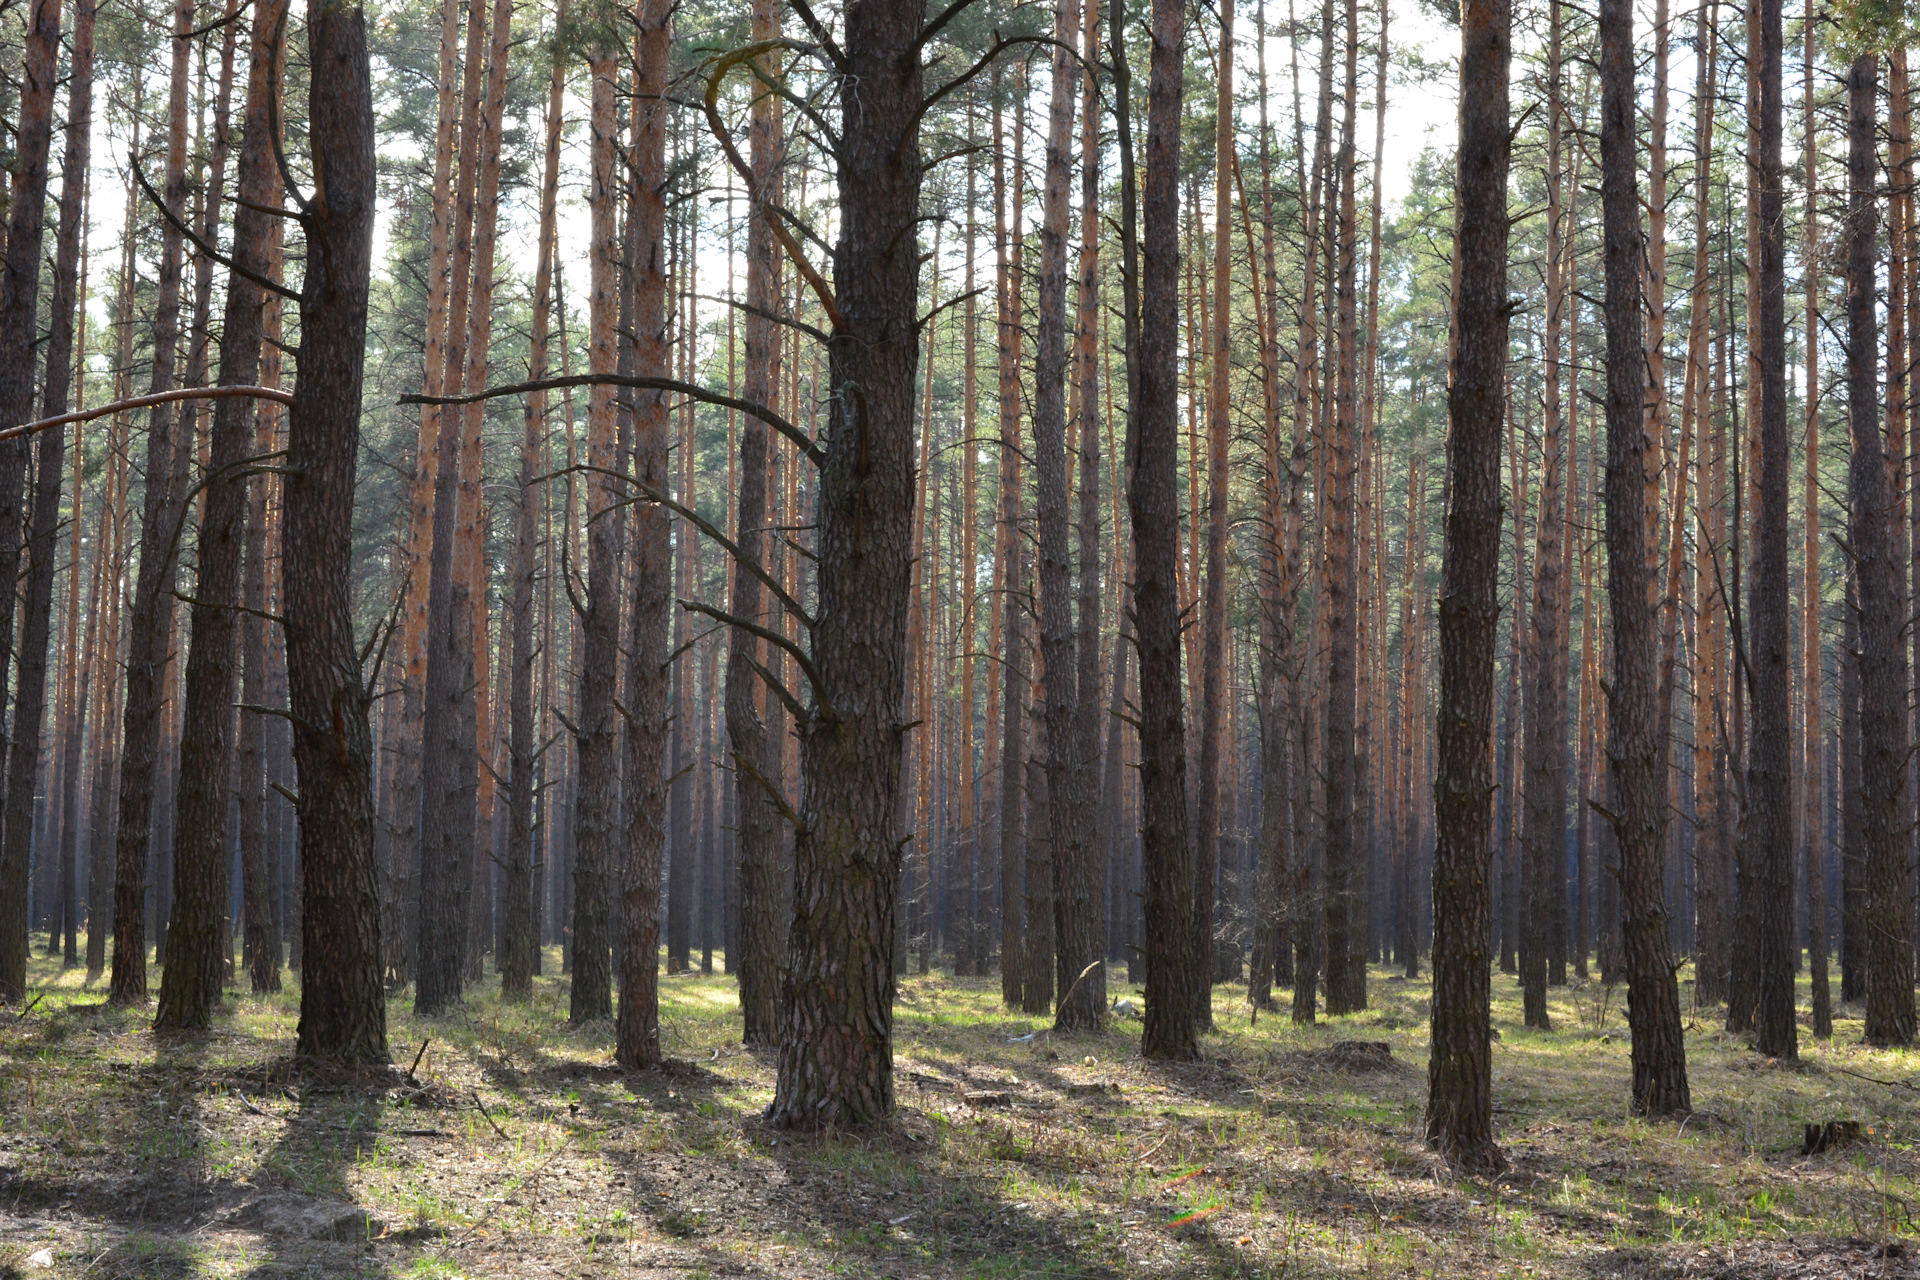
[141, 402]
[692, 391]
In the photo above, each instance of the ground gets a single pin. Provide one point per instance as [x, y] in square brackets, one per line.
[514, 1147]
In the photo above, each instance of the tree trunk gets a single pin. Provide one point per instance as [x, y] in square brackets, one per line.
[1883, 667]
[762, 931]
[836, 1043]
[1544, 793]
[1813, 771]
[190, 986]
[1069, 842]
[1010, 564]
[1459, 1117]
[151, 624]
[1213, 606]
[1153, 497]
[1633, 747]
[1769, 838]
[450, 773]
[599, 633]
[520, 941]
[638, 1035]
[342, 1007]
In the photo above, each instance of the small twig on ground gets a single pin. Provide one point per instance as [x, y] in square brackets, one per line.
[1891, 1084]
[489, 1119]
[28, 1007]
[418, 1056]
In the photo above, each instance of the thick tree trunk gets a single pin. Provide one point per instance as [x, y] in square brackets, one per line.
[1153, 498]
[342, 1006]
[1459, 1069]
[836, 1043]
[1633, 746]
[638, 1035]
[1768, 839]
[1883, 666]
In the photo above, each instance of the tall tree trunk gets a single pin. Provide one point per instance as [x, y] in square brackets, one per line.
[1544, 792]
[19, 298]
[151, 623]
[762, 932]
[450, 775]
[1010, 563]
[598, 776]
[190, 986]
[43, 535]
[1883, 667]
[342, 1007]
[1082, 937]
[1633, 747]
[1153, 497]
[1459, 1117]
[1068, 841]
[1346, 978]
[1769, 836]
[836, 1043]
[1213, 606]
[1813, 771]
[520, 941]
[638, 1036]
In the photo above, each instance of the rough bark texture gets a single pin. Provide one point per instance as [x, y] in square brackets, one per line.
[1633, 746]
[191, 985]
[1769, 837]
[599, 634]
[1068, 841]
[638, 1034]
[1459, 1066]
[343, 1014]
[1877, 571]
[836, 1042]
[762, 931]
[151, 624]
[1154, 502]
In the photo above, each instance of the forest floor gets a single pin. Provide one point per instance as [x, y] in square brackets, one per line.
[515, 1148]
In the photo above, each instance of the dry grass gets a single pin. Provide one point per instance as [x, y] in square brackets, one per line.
[122, 1154]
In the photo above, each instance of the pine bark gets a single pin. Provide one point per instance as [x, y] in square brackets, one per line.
[597, 732]
[637, 1041]
[151, 623]
[342, 1006]
[762, 931]
[1153, 498]
[836, 1044]
[190, 986]
[1877, 575]
[1633, 746]
[1769, 835]
[1544, 793]
[1459, 1120]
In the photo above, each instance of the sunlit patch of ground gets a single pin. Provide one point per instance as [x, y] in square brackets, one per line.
[516, 1148]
